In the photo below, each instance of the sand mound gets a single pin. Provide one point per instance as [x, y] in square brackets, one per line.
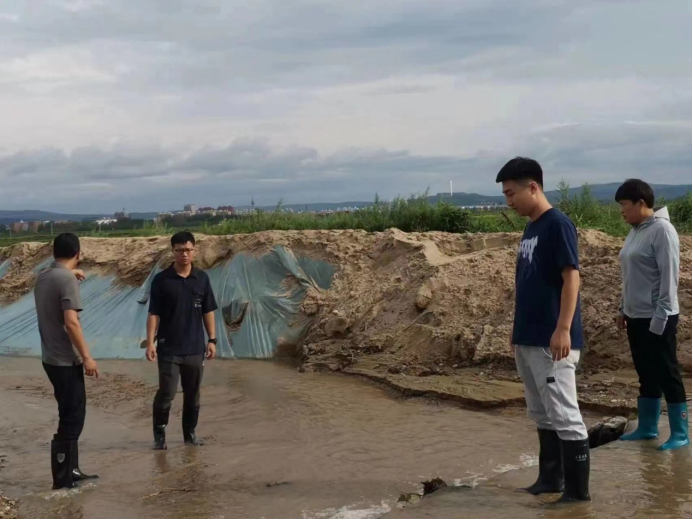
[428, 303]
[416, 303]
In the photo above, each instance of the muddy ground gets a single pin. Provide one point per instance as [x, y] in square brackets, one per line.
[282, 444]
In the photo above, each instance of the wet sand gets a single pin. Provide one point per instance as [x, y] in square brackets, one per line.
[285, 444]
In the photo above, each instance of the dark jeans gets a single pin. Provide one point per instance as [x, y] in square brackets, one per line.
[189, 369]
[69, 391]
[655, 360]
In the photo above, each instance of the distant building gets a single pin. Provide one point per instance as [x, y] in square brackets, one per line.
[179, 219]
[226, 209]
[121, 215]
[192, 208]
[19, 227]
[34, 226]
[208, 210]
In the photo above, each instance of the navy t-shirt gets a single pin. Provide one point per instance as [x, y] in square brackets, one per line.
[180, 304]
[548, 245]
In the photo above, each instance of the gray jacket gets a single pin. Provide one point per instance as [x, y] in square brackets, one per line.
[650, 270]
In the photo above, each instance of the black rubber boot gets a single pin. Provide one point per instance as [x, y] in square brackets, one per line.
[550, 478]
[160, 418]
[576, 465]
[191, 439]
[190, 417]
[77, 474]
[61, 464]
[160, 437]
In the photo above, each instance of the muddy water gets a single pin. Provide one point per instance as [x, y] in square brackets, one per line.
[284, 444]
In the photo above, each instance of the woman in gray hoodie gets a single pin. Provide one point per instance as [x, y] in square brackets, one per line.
[649, 311]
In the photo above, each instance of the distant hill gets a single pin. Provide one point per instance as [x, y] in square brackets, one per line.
[607, 191]
[599, 191]
[603, 192]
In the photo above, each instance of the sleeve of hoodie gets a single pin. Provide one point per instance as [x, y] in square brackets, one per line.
[666, 248]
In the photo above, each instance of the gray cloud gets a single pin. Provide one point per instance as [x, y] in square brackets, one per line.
[164, 178]
[313, 100]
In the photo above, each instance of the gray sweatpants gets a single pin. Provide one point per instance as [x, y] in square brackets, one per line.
[550, 391]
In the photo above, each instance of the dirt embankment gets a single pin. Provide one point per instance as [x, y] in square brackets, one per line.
[431, 314]
[425, 313]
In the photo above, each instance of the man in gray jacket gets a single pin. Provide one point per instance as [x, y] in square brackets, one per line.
[649, 311]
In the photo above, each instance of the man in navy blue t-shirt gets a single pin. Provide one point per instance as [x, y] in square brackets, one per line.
[181, 302]
[547, 331]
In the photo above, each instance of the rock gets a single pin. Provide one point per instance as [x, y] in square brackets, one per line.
[336, 325]
[607, 430]
[310, 308]
[431, 486]
[423, 297]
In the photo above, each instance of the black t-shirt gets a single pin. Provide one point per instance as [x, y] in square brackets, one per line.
[180, 304]
[548, 245]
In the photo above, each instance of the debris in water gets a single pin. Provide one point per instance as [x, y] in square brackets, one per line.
[168, 490]
[410, 498]
[8, 507]
[275, 484]
[607, 430]
[431, 486]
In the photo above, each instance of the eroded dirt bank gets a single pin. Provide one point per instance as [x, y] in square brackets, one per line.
[424, 313]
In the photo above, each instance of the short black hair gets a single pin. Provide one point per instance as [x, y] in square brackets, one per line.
[182, 237]
[66, 246]
[636, 190]
[521, 169]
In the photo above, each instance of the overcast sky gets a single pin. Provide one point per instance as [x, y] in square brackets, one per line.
[151, 104]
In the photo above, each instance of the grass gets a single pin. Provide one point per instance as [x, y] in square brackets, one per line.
[413, 214]
[587, 212]
[409, 215]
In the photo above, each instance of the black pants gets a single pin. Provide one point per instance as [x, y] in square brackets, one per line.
[69, 391]
[655, 360]
[189, 369]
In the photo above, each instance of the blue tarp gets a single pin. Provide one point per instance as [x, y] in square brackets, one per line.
[259, 307]
[4, 266]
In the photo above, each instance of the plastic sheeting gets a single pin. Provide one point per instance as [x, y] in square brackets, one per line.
[4, 266]
[260, 300]
[42, 265]
[259, 308]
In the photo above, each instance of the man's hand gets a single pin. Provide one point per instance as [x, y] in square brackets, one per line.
[211, 351]
[90, 367]
[621, 322]
[79, 274]
[150, 353]
[560, 344]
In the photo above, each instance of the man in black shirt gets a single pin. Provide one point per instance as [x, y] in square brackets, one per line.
[181, 300]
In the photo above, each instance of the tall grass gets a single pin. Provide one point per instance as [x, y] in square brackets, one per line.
[414, 214]
[587, 212]
[417, 214]
[680, 213]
